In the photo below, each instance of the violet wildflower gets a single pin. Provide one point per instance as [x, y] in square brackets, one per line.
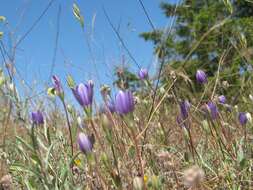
[37, 117]
[249, 68]
[184, 109]
[242, 118]
[84, 93]
[85, 143]
[111, 106]
[143, 74]
[124, 103]
[213, 110]
[241, 71]
[107, 107]
[201, 77]
[222, 99]
[57, 85]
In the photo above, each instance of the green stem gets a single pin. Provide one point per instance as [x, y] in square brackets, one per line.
[138, 152]
[69, 127]
[38, 154]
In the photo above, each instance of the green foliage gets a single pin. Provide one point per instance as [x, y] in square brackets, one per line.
[203, 32]
[125, 79]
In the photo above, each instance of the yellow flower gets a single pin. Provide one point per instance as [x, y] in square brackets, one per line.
[77, 162]
[145, 178]
[51, 92]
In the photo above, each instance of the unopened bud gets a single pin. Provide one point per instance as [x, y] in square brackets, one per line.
[225, 84]
[11, 87]
[137, 183]
[251, 97]
[79, 121]
[70, 108]
[105, 121]
[248, 115]
[70, 81]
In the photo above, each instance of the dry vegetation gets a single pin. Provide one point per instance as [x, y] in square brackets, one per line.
[149, 137]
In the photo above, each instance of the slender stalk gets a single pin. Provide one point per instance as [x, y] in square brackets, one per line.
[103, 180]
[96, 133]
[191, 145]
[115, 160]
[138, 156]
[69, 127]
[38, 154]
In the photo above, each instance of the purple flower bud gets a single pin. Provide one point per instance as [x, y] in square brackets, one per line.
[124, 102]
[85, 143]
[111, 106]
[37, 117]
[184, 108]
[201, 77]
[143, 74]
[213, 110]
[57, 84]
[242, 118]
[84, 93]
[108, 107]
[222, 99]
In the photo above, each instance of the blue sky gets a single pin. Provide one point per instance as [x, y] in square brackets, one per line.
[35, 54]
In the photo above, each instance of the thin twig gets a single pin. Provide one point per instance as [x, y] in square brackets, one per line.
[120, 39]
[224, 54]
[156, 108]
[163, 60]
[34, 24]
[146, 13]
[69, 127]
[56, 42]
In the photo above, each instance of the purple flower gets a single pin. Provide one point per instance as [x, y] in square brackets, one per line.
[241, 71]
[57, 84]
[222, 99]
[107, 107]
[37, 117]
[111, 106]
[242, 118]
[143, 73]
[184, 109]
[201, 77]
[124, 102]
[213, 110]
[84, 93]
[85, 143]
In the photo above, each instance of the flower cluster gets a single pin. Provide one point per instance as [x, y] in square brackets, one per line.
[124, 104]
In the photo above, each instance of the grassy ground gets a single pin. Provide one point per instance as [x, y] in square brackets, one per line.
[131, 151]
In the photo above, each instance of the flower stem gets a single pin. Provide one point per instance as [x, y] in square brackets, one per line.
[138, 152]
[69, 127]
